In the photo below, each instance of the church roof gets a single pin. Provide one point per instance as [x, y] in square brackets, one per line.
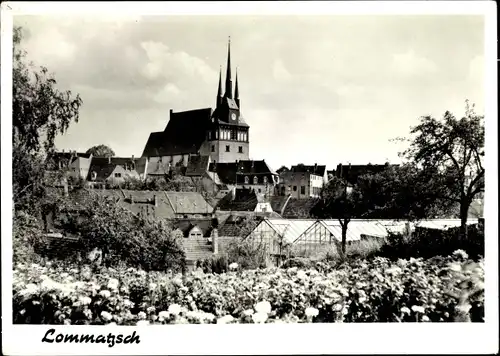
[184, 133]
[197, 165]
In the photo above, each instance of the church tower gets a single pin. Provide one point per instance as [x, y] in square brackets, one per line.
[228, 135]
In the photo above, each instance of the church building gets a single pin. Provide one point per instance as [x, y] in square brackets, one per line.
[221, 134]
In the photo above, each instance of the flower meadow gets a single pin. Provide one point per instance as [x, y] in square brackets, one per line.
[442, 289]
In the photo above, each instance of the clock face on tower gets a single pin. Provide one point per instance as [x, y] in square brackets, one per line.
[233, 116]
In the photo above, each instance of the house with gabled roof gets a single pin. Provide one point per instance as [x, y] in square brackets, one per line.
[302, 181]
[76, 164]
[116, 170]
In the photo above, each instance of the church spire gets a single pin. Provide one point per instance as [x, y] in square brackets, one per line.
[219, 91]
[236, 91]
[229, 83]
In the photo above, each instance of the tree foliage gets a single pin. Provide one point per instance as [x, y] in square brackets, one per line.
[40, 111]
[450, 152]
[101, 151]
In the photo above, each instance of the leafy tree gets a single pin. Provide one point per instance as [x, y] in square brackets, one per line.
[101, 151]
[40, 111]
[340, 200]
[450, 152]
[401, 192]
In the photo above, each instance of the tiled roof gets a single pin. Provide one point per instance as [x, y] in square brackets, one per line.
[185, 225]
[244, 200]
[230, 173]
[188, 203]
[315, 169]
[197, 165]
[184, 133]
[54, 159]
[299, 208]
[105, 166]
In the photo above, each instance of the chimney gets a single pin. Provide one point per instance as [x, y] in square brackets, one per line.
[63, 150]
[215, 241]
[233, 195]
[132, 157]
[109, 160]
[171, 112]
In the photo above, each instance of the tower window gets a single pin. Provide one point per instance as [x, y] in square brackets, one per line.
[213, 148]
[255, 180]
[227, 148]
[240, 149]
[233, 135]
[247, 180]
[265, 180]
[118, 175]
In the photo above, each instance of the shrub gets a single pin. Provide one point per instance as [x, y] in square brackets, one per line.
[415, 290]
[26, 238]
[121, 235]
[428, 243]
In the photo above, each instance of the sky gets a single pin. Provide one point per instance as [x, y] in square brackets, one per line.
[314, 89]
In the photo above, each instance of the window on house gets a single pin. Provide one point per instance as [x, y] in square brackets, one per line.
[294, 188]
[227, 148]
[255, 180]
[213, 148]
[233, 134]
[265, 180]
[118, 175]
[302, 189]
[240, 149]
[259, 190]
[247, 180]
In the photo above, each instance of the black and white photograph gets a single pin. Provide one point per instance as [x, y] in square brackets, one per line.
[248, 165]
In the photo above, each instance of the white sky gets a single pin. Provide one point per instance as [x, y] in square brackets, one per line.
[314, 89]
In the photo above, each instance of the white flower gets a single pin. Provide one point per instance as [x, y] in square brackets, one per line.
[152, 286]
[418, 309]
[405, 310]
[425, 318]
[259, 318]
[174, 309]
[164, 314]
[311, 312]
[464, 308]
[362, 299]
[301, 274]
[105, 293]
[225, 319]
[263, 307]
[113, 284]
[106, 316]
[142, 315]
[455, 267]
[150, 310]
[142, 323]
[85, 300]
[31, 288]
[248, 312]
[461, 254]
[233, 266]
[337, 307]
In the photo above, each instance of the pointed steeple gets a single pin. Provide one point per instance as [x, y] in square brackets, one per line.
[229, 83]
[219, 91]
[236, 91]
